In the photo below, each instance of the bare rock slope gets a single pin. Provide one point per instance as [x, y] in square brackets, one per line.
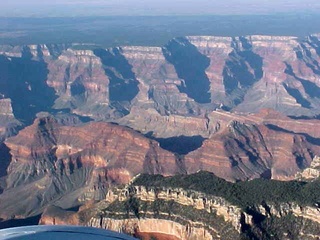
[67, 165]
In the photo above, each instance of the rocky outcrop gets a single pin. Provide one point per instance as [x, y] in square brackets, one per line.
[193, 199]
[245, 149]
[175, 212]
[158, 228]
[68, 165]
[9, 125]
[174, 223]
[283, 209]
[80, 82]
[311, 173]
[253, 72]
[159, 83]
[53, 215]
[153, 123]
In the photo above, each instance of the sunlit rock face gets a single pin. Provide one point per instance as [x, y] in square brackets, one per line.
[151, 207]
[67, 165]
[8, 123]
[240, 74]
[80, 82]
[311, 173]
[159, 84]
[188, 76]
[253, 72]
[246, 151]
[267, 144]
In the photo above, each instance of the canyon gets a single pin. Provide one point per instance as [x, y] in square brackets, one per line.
[189, 76]
[78, 121]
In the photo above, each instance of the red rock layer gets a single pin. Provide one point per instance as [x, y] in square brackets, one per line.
[267, 144]
[153, 236]
[75, 164]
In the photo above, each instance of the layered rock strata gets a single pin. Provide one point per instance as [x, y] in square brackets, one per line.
[189, 76]
[69, 165]
[237, 222]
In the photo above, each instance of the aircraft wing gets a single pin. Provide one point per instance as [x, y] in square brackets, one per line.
[42, 232]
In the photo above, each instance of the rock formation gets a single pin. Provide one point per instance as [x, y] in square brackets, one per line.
[241, 107]
[243, 74]
[80, 82]
[8, 123]
[311, 173]
[152, 206]
[220, 218]
[240, 151]
[68, 165]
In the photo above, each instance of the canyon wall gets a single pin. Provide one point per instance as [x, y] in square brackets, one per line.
[189, 76]
[241, 107]
[68, 165]
[235, 221]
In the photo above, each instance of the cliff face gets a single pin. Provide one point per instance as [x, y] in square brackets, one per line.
[242, 74]
[189, 76]
[254, 72]
[159, 84]
[110, 82]
[199, 215]
[217, 50]
[182, 213]
[76, 163]
[152, 217]
[197, 200]
[37, 52]
[9, 125]
[311, 173]
[241, 146]
[80, 82]
[23, 81]
[244, 151]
